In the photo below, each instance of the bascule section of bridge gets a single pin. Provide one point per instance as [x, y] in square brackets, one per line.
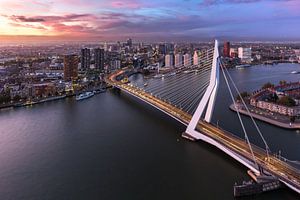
[188, 94]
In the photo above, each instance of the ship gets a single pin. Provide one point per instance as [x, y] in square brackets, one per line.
[187, 71]
[263, 183]
[171, 74]
[242, 66]
[295, 72]
[84, 95]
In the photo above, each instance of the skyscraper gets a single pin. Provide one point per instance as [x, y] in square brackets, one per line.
[162, 49]
[245, 54]
[85, 58]
[129, 42]
[226, 49]
[233, 52]
[169, 48]
[99, 58]
[178, 60]
[196, 58]
[70, 67]
[169, 60]
[187, 59]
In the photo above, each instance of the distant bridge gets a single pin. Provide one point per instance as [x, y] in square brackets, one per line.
[257, 159]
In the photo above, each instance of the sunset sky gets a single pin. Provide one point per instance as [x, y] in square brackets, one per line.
[150, 19]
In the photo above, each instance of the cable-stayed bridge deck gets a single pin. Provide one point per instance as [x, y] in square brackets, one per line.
[232, 145]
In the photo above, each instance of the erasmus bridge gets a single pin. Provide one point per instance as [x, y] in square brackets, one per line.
[189, 97]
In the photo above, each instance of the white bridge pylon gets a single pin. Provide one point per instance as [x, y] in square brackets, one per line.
[208, 99]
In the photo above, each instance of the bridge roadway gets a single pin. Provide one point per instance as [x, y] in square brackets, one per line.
[286, 173]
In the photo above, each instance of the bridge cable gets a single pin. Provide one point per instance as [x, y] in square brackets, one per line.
[239, 116]
[248, 111]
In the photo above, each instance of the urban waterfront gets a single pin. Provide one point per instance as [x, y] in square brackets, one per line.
[113, 146]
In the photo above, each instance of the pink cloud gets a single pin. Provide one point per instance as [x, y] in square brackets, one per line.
[28, 26]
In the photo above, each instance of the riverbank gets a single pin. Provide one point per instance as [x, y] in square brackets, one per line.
[260, 117]
[48, 99]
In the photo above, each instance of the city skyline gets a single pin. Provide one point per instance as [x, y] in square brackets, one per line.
[187, 20]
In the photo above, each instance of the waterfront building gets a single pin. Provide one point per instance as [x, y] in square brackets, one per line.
[99, 58]
[226, 49]
[245, 54]
[187, 59]
[70, 67]
[178, 60]
[273, 107]
[85, 58]
[196, 59]
[290, 89]
[233, 53]
[169, 60]
[43, 89]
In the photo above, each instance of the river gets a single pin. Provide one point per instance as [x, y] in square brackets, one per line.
[113, 146]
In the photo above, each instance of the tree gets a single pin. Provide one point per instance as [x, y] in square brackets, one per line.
[273, 97]
[17, 98]
[243, 95]
[267, 85]
[287, 101]
[292, 119]
[4, 98]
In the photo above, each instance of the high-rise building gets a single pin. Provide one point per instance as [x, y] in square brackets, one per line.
[99, 58]
[105, 46]
[196, 58]
[245, 54]
[162, 49]
[85, 58]
[169, 60]
[226, 49]
[187, 59]
[169, 48]
[129, 42]
[233, 53]
[115, 64]
[178, 60]
[70, 67]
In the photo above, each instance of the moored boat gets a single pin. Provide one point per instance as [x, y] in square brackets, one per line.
[84, 95]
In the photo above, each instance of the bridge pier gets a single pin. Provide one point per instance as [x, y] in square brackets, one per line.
[188, 136]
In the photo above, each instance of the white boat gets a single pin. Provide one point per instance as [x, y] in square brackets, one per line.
[84, 95]
[295, 72]
[242, 66]
[187, 71]
[171, 74]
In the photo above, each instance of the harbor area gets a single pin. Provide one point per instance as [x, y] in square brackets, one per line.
[266, 116]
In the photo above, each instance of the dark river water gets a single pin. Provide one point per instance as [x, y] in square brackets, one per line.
[113, 146]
